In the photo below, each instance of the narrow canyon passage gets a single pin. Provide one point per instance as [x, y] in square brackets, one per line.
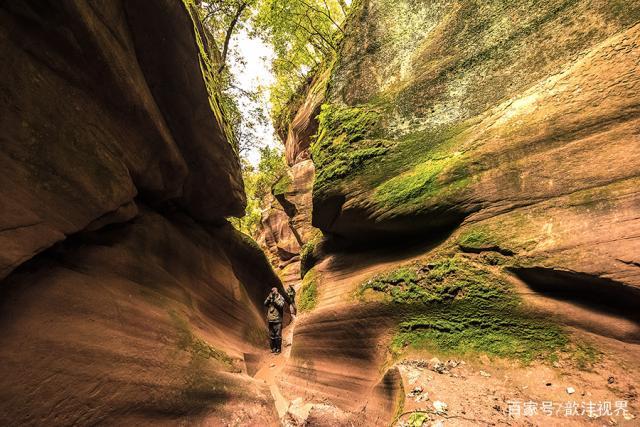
[451, 188]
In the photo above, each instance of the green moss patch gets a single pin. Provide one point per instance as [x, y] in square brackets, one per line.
[585, 356]
[282, 186]
[456, 306]
[309, 252]
[308, 296]
[480, 239]
[509, 235]
[468, 327]
[343, 144]
[421, 168]
[306, 257]
[477, 238]
[199, 348]
[422, 182]
[355, 146]
[407, 172]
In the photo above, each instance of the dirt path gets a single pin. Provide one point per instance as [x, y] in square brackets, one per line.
[272, 365]
[483, 391]
[270, 370]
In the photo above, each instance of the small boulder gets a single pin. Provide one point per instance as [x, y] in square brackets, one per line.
[437, 366]
[452, 364]
[422, 397]
[440, 407]
[417, 390]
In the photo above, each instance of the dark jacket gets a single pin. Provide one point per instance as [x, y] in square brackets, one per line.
[291, 293]
[275, 306]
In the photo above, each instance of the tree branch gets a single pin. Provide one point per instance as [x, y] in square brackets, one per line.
[227, 38]
[323, 13]
[343, 6]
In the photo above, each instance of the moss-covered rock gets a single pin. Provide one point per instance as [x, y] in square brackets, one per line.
[410, 80]
[310, 253]
[440, 113]
[454, 305]
[308, 295]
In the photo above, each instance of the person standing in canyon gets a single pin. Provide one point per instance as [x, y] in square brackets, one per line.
[275, 306]
[291, 294]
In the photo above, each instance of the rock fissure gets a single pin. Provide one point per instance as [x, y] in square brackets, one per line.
[458, 217]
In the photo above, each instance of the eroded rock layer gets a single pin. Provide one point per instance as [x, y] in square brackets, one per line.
[126, 297]
[489, 114]
[499, 141]
[286, 222]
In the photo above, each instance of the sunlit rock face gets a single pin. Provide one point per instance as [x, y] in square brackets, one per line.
[276, 234]
[126, 298]
[505, 132]
[296, 198]
[286, 221]
[518, 119]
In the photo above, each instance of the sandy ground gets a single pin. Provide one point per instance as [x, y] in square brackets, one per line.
[482, 391]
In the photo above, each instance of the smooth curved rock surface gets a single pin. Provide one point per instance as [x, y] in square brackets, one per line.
[302, 175]
[141, 323]
[276, 234]
[339, 353]
[91, 120]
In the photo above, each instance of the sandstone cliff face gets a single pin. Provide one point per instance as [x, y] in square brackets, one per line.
[117, 159]
[99, 108]
[276, 234]
[490, 114]
[497, 140]
[286, 222]
[141, 323]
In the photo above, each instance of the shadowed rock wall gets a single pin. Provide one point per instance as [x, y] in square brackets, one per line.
[126, 297]
[100, 107]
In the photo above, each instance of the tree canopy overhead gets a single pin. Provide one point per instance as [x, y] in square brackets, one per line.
[303, 33]
[224, 18]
